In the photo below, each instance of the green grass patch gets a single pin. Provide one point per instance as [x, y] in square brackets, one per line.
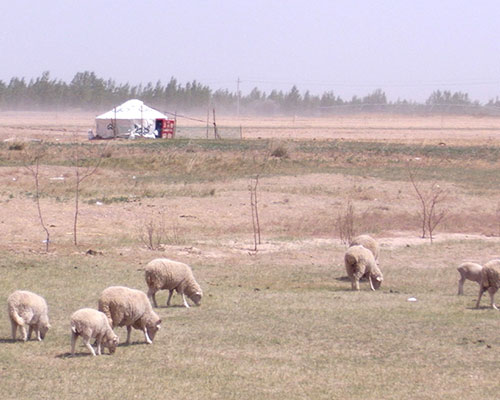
[271, 326]
[190, 161]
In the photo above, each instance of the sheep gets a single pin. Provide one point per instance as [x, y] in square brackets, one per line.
[490, 280]
[131, 308]
[359, 262]
[470, 271]
[163, 273]
[89, 323]
[28, 308]
[368, 242]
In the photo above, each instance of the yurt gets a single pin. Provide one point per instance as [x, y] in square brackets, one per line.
[131, 119]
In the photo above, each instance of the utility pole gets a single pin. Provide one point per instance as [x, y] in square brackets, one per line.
[208, 117]
[238, 95]
[216, 133]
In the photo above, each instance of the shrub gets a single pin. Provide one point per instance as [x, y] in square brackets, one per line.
[17, 146]
[280, 152]
[345, 223]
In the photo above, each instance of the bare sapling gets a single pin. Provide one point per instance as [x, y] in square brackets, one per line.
[436, 214]
[255, 211]
[153, 233]
[175, 237]
[431, 198]
[498, 218]
[83, 170]
[32, 164]
[345, 223]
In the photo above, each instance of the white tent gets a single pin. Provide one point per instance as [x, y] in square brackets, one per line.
[132, 118]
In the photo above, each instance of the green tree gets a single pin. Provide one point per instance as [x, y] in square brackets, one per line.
[376, 97]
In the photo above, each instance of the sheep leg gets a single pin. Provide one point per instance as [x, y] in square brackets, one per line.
[492, 291]
[152, 297]
[30, 330]
[481, 291]
[355, 284]
[148, 340]
[74, 335]
[170, 293]
[461, 286]
[129, 332]
[86, 341]
[14, 330]
[371, 283]
[98, 347]
[24, 334]
[184, 301]
[38, 336]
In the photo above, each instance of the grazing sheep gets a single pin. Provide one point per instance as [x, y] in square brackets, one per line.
[470, 271]
[359, 262]
[490, 280]
[368, 242]
[89, 323]
[131, 308]
[163, 273]
[27, 308]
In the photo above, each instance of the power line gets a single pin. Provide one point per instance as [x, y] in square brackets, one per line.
[471, 82]
[238, 95]
[183, 116]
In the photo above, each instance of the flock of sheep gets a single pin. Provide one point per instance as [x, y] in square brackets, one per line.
[121, 306]
[361, 262]
[117, 306]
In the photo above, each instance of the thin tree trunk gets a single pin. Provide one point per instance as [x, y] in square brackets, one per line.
[252, 205]
[256, 208]
[77, 202]
[37, 189]
[425, 216]
[80, 177]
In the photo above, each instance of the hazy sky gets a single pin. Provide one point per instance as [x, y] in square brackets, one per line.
[408, 48]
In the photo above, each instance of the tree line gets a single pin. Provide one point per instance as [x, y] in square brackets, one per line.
[87, 91]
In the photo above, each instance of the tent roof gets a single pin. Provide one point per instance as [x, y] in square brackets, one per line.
[132, 109]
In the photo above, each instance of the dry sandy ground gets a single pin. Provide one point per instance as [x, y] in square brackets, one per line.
[289, 205]
[373, 127]
[293, 218]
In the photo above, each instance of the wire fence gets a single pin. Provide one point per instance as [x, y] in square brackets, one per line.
[409, 108]
[199, 132]
[343, 118]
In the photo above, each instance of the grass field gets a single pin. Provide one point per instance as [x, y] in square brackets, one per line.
[278, 323]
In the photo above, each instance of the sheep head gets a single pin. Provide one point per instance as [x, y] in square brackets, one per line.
[111, 342]
[153, 329]
[196, 297]
[377, 281]
[43, 326]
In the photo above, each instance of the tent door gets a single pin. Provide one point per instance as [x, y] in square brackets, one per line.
[165, 128]
[158, 128]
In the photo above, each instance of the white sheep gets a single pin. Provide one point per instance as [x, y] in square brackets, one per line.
[131, 308]
[490, 280]
[470, 271]
[89, 323]
[28, 308]
[170, 275]
[368, 242]
[360, 262]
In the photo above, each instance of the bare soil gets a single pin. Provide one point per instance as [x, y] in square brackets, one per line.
[434, 129]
